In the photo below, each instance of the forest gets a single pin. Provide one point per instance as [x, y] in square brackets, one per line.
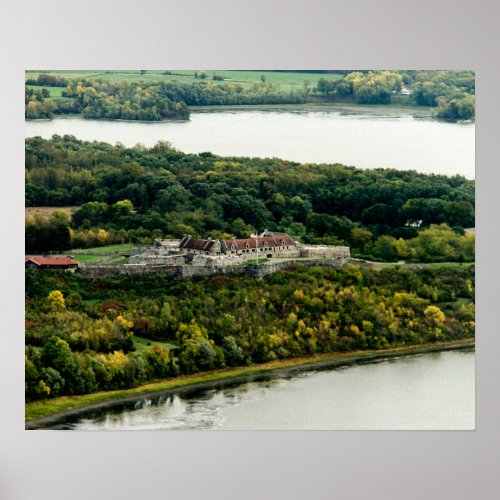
[85, 335]
[450, 93]
[137, 194]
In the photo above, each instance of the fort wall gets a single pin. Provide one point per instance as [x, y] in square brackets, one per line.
[187, 271]
[107, 271]
[157, 259]
[325, 251]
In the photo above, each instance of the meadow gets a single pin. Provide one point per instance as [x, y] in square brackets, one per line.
[287, 80]
[55, 92]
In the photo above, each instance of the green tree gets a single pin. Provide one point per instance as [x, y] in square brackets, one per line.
[57, 354]
[360, 237]
[385, 248]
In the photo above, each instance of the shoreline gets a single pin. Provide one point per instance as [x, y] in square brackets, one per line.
[421, 112]
[332, 107]
[69, 406]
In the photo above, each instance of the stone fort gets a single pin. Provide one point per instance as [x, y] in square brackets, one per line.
[231, 252]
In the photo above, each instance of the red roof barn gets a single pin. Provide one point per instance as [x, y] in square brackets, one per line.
[50, 262]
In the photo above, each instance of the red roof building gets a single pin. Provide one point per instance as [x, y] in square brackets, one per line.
[271, 241]
[273, 244]
[37, 262]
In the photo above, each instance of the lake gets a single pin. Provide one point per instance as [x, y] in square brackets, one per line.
[419, 392]
[365, 139]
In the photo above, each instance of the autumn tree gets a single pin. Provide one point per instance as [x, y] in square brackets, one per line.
[56, 300]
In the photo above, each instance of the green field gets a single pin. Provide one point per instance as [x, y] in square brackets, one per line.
[87, 259]
[287, 80]
[83, 258]
[55, 92]
[122, 247]
[97, 254]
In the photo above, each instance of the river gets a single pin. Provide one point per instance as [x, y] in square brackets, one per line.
[433, 391]
[365, 139]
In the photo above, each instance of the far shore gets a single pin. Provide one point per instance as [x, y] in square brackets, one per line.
[42, 414]
[423, 112]
[333, 107]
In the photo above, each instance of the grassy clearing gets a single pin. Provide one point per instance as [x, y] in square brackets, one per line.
[40, 409]
[91, 302]
[260, 261]
[122, 247]
[437, 265]
[53, 91]
[82, 258]
[142, 343]
[423, 265]
[119, 261]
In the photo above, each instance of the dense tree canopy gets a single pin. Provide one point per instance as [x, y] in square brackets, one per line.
[134, 194]
[89, 345]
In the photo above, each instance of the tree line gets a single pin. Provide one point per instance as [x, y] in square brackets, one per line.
[136, 194]
[452, 93]
[80, 333]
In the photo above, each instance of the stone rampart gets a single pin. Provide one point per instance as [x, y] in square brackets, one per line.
[187, 271]
[325, 251]
[107, 271]
[263, 270]
[154, 259]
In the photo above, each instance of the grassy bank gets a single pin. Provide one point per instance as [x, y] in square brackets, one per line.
[420, 265]
[39, 412]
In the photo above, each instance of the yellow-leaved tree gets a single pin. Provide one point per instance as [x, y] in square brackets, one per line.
[434, 315]
[56, 300]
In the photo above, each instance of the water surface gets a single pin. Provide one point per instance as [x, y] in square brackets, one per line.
[366, 140]
[427, 391]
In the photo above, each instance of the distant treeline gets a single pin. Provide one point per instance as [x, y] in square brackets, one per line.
[47, 80]
[450, 92]
[80, 332]
[136, 194]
